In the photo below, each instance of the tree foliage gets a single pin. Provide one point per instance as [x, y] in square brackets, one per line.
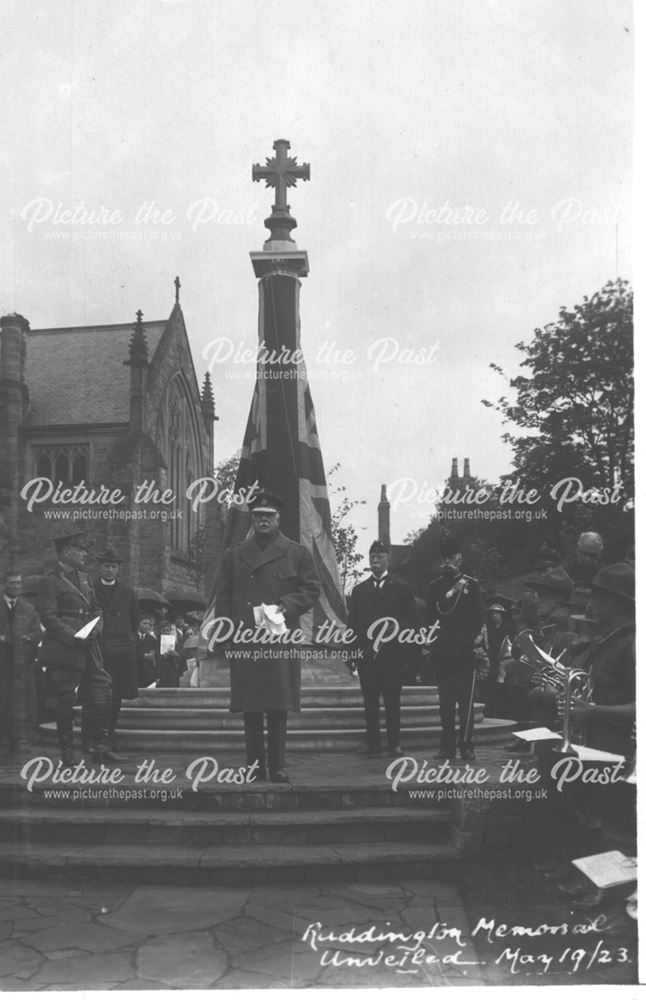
[576, 399]
[344, 535]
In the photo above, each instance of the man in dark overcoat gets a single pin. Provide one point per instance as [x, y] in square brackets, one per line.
[66, 602]
[382, 595]
[20, 634]
[119, 636]
[267, 568]
[455, 601]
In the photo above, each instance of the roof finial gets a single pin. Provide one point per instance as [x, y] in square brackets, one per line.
[178, 285]
[138, 356]
[208, 403]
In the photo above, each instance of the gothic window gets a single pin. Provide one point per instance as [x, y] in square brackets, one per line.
[181, 449]
[65, 463]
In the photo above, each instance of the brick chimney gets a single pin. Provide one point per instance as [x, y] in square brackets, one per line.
[467, 470]
[383, 517]
[13, 406]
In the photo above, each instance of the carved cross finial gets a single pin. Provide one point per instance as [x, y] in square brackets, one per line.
[178, 285]
[281, 172]
[138, 353]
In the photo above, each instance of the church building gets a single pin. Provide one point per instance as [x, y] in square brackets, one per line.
[111, 407]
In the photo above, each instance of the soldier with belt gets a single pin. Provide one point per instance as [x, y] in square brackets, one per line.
[455, 601]
[66, 602]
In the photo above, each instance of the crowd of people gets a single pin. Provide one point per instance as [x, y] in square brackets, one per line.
[511, 652]
[83, 641]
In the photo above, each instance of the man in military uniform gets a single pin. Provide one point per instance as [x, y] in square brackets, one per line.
[20, 634]
[118, 639]
[455, 600]
[380, 673]
[66, 602]
[267, 568]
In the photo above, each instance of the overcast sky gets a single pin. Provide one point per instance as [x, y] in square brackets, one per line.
[401, 108]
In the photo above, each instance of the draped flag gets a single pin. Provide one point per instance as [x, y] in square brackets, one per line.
[281, 451]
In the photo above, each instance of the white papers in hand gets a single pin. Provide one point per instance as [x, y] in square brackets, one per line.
[272, 619]
[166, 644]
[85, 630]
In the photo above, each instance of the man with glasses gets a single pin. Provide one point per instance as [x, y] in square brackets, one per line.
[266, 569]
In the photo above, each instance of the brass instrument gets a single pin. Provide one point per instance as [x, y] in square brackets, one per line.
[568, 683]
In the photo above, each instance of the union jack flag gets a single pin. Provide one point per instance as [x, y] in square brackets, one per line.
[281, 451]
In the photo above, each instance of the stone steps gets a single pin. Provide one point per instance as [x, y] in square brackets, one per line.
[154, 826]
[230, 865]
[214, 740]
[308, 718]
[311, 697]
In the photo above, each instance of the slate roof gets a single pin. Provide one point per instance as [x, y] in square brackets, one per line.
[76, 375]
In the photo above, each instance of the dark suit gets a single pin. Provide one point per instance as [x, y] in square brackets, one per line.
[120, 623]
[283, 572]
[66, 601]
[20, 634]
[146, 665]
[381, 673]
[457, 604]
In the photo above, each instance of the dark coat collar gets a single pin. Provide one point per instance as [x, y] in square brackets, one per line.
[254, 556]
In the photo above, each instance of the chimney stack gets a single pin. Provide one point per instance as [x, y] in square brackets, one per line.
[383, 517]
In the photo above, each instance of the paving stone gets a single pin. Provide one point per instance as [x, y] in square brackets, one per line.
[80, 933]
[65, 953]
[188, 961]
[164, 909]
[241, 980]
[15, 958]
[23, 912]
[141, 984]
[290, 963]
[87, 972]
[246, 934]
[283, 895]
[285, 919]
[31, 924]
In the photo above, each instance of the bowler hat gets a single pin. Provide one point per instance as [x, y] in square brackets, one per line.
[555, 579]
[78, 539]
[266, 503]
[109, 556]
[618, 579]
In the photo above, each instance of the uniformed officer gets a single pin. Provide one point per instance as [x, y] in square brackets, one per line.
[381, 673]
[455, 601]
[66, 602]
[265, 569]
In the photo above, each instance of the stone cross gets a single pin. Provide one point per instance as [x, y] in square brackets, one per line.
[280, 172]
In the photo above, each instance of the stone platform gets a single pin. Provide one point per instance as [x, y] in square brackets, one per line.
[195, 720]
